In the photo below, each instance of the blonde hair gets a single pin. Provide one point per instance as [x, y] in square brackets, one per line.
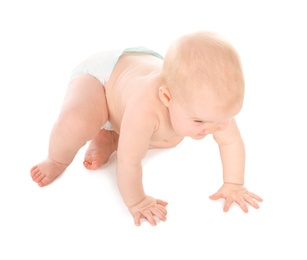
[204, 60]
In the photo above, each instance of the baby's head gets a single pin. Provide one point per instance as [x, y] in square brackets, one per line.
[203, 70]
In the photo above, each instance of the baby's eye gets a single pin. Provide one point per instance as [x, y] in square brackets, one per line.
[198, 121]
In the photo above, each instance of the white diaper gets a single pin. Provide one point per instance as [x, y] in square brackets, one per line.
[107, 126]
[99, 65]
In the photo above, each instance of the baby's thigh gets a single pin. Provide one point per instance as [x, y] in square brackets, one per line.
[85, 101]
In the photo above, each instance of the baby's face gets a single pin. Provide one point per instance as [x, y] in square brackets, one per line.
[186, 124]
[197, 118]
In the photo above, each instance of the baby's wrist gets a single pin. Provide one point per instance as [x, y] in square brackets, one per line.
[144, 203]
[135, 204]
[234, 183]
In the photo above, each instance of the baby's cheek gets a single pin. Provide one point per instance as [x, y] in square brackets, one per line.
[183, 130]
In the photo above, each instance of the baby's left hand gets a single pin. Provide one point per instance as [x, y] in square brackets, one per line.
[236, 193]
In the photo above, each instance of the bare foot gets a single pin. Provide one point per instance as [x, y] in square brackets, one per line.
[100, 149]
[47, 171]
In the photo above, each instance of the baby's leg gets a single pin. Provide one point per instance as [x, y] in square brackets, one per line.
[83, 112]
[100, 149]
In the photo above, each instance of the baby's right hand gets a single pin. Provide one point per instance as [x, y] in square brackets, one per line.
[149, 208]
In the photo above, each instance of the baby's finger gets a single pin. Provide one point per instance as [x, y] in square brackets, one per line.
[156, 212]
[227, 204]
[242, 204]
[251, 201]
[137, 219]
[162, 209]
[147, 214]
[215, 196]
[161, 202]
[254, 196]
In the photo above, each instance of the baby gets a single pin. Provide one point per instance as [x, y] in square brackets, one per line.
[132, 100]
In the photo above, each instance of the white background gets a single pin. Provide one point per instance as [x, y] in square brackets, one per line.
[81, 215]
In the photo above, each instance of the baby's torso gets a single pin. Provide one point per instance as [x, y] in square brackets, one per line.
[135, 82]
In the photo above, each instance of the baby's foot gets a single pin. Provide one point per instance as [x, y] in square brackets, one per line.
[47, 171]
[100, 149]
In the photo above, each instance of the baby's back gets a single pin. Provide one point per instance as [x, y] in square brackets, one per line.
[134, 81]
[133, 91]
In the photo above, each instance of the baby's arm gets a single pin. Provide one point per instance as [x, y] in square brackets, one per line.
[135, 136]
[232, 152]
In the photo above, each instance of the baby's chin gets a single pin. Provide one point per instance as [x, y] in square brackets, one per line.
[198, 137]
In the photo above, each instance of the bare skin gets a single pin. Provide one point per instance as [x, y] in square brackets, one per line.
[47, 171]
[66, 138]
[98, 153]
[144, 114]
[100, 149]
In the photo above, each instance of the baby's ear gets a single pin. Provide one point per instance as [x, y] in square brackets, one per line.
[165, 95]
